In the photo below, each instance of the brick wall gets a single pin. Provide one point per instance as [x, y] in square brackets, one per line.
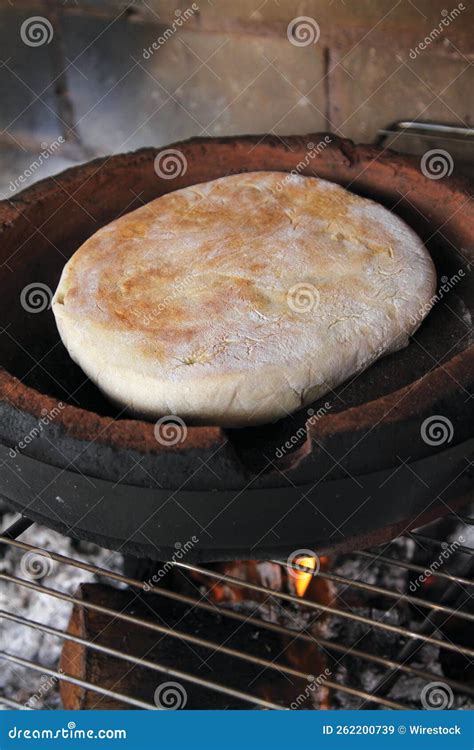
[109, 76]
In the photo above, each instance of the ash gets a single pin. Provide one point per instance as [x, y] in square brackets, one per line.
[366, 675]
[30, 688]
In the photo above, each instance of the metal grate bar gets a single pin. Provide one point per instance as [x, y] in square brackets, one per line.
[294, 635]
[154, 666]
[17, 528]
[203, 683]
[372, 588]
[422, 538]
[415, 568]
[416, 638]
[336, 578]
[321, 608]
[74, 680]
[326, 609]
[13, 704]
[264, 663]
[430, 625]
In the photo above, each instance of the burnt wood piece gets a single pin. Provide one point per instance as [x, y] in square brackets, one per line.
[138, 682]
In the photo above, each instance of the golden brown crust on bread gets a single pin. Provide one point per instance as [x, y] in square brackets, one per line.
[242, 299]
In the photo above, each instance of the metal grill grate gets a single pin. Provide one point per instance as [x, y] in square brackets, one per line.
[426, 632]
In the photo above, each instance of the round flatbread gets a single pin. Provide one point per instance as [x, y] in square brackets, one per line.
[240, 300]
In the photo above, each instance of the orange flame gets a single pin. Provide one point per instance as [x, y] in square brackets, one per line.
[302, 579]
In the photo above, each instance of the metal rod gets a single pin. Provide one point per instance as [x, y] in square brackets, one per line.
[74, 680]
[434, 131]
[17, 528]
[372, 588]
[415, 568]
[433, 127]
[322, 574]
[285, 631]
[256, 622]
[14, 704]
[240, 583]
[417, 537]
[154, 666]
[265, 664]
[326, 609]
[411, 648]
